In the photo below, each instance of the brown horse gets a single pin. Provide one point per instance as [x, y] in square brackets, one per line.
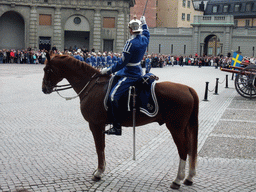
[178, 109]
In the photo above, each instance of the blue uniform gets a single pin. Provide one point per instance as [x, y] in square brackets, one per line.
[129, 67]
[109, 60]
[114, 60]
[148, 65]
[88, 60]
[93, 60]
[104, 61]
[99, 61]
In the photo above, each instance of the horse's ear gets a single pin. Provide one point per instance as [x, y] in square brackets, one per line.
[48, 56]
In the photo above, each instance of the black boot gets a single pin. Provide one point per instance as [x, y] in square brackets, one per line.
[116, 129]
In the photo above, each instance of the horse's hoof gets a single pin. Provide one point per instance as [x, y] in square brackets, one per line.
[188, 183]
[95, 178]
[175, 185]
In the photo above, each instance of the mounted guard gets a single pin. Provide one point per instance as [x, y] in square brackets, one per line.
[128, 68]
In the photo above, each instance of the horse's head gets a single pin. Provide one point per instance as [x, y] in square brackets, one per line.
[52, 75]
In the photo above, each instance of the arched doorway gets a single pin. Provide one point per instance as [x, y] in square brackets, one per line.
[77, 32]
[212, 45]
[12, 33]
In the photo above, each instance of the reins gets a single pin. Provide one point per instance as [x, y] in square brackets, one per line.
[69, 98]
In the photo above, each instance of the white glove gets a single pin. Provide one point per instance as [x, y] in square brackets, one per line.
[104, 71]
[143, 20]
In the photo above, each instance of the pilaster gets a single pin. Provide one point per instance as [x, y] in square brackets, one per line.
[33, 28]
[120, 37]
[97, 30]
[57, 28]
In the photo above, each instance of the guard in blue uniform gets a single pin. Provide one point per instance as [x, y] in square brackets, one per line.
[128, 68]
[109, 60]
[148, 63]
[93, 59]
[99, 61]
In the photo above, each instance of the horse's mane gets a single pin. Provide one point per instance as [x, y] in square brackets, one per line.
[74, 64]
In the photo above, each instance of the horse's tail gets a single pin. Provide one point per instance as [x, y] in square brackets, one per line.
[193, 129]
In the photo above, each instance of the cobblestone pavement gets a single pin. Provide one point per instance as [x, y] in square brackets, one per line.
[46, 145]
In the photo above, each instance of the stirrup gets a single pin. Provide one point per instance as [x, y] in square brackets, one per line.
[113, 131]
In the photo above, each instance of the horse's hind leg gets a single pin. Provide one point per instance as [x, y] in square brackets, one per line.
[99, 139]
[179, 136]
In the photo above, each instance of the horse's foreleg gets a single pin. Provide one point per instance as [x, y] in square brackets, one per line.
[99, 139]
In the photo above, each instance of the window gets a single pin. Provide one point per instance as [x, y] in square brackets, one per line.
[247, 23]
[183, 16]
[159, 47]
[109, 22]
[215, 9]
[237, 7]
[225, 8]
[109, 3]
[188, 4]
[188, 17]
[185, 49]
[171, 48]
[45, 19]
[248, 7]
[238, 49]
[77, 20]
[236, 23]
[184, 3]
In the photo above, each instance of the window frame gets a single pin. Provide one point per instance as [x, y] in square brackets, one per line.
[225, 8]
[213, 9]
[183, 16]
[43, 21]
[248, 5]
[237, 8]
[184, 3]
[189, 4]
[108, 19]
[188, 17]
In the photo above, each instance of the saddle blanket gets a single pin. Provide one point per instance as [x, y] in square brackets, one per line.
[146, 97]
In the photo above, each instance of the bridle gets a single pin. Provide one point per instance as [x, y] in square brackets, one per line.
[68, 86]
[57, 88]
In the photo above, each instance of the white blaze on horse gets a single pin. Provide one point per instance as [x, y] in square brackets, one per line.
[178, 109]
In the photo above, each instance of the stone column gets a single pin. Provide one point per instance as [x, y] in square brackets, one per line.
[33, 41]
[97, 31]
[196, 43]
[57, 28]
[227, 41]
[120, 37]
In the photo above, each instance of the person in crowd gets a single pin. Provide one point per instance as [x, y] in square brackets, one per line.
[88, 59]
[1, 56]
[109, 59]
[93, 59]
[99, 61]
[104, 60]
[148, 63]
[129, 68]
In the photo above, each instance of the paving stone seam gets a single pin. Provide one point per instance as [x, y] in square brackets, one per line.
[238, 120]
[234, 109]
[232, 136]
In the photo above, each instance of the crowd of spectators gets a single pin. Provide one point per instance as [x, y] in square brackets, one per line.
[99, 59]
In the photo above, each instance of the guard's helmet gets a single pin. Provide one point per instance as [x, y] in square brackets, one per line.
[135, 25]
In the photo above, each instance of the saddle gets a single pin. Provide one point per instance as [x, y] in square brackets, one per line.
[146, 101]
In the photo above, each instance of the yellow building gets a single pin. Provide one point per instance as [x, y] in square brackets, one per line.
[175, 13]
